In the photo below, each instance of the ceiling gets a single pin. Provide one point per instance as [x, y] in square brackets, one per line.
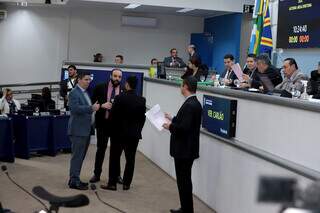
[120, 7]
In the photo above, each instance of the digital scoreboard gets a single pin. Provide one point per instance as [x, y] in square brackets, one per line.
[298, 24]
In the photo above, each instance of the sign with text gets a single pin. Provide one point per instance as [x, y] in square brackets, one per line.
[298, 24]
[219, 116]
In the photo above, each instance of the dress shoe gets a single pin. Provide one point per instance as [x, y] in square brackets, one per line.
[120, 180]
[109, 187]
[94, 179]
[126, 187]
[78, 186]
[176, 211]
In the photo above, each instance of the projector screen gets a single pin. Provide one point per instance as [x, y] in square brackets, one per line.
[298, 24]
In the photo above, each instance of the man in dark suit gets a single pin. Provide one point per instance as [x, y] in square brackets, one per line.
[128, 117]
[174, 60]
[184, 142]
[104, 94]
[79, 128]
[265, 70]
[228, 75]
[193, 54]
[68, 84]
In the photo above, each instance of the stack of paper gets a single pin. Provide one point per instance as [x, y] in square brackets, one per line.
[156, 117]
[238, 71]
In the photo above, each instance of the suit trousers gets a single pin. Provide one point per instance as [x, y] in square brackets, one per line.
[183, 169]
[129, 146]
[79, 149]
[102, 143]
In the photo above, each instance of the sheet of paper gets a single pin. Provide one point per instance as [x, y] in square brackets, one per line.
[156, 117]
[238, 71]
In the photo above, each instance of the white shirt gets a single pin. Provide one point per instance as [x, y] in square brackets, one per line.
[4, 105]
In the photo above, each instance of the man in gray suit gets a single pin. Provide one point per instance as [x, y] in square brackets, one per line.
[292, 76]
[79, 128]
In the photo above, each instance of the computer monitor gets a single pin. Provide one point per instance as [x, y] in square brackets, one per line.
[25, 112]
[36, 105]
[266, 83]
[54, 112]
[36, 97]
[161, 70]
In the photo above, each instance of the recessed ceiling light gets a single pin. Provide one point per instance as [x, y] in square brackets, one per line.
[132, 6]
[185, 10]
[23, 4]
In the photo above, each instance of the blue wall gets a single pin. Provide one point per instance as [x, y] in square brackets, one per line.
[226, 32]
[307, 59]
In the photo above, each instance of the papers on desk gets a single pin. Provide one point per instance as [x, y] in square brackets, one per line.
[156, 117]
[238, 71]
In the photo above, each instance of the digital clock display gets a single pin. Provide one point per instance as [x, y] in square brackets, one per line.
[298, 24]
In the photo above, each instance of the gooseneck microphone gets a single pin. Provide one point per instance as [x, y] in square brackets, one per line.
[94, 189]
[5, 170]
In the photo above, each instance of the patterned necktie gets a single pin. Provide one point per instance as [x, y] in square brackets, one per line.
[113, 94]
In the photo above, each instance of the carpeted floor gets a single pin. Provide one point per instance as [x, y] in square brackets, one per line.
[152, 190]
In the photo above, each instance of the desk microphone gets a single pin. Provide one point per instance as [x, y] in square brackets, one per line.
[5, 170]
[94, 189]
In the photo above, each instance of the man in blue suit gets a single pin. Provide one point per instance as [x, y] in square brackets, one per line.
[79, 128]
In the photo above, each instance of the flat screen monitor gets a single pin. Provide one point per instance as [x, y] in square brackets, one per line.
[298, 24]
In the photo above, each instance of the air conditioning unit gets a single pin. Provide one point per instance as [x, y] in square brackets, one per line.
[135, 21]
[3, 14]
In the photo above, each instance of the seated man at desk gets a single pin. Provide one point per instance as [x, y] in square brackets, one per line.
[250, 70]
[228, 75]
[8, 105]
[293, 76]
[173, 60]
[266, 70]
[314, 83]
[48, 103]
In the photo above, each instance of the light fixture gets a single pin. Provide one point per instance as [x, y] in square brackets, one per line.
[23, 4]
[132, 6]
[184, 10]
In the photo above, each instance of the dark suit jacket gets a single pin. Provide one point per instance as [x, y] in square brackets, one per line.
[314, 84]
[100, 94]
[185, 130]
[64, 90]
[168, 60]
[80, 114]
[272, 73]
[232, 77]
[64, 87]
[196, 56]
[128, 115]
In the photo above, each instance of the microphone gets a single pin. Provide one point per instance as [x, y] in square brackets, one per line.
[5, 170]
[94, 189]
[57, 201]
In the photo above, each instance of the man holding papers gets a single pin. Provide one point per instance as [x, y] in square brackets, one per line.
[184, 141]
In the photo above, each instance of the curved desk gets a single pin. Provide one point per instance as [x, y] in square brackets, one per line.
[274, 137]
